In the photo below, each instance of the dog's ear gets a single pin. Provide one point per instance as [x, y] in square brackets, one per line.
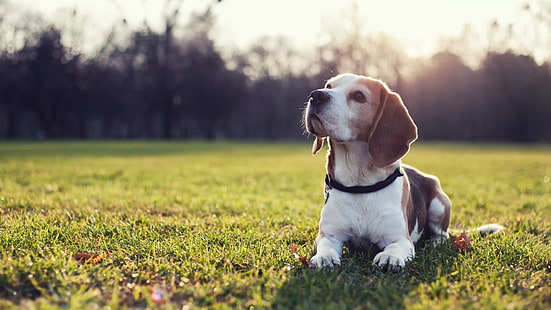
[318, 144]
[394, 129]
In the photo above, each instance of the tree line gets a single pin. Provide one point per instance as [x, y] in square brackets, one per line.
[164, 85]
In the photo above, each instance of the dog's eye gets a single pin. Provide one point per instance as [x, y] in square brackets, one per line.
[358, 96]
[328, 86]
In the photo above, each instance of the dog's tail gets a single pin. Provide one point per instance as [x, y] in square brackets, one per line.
[484, 230]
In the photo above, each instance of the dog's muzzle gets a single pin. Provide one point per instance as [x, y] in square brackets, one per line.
[314, 122]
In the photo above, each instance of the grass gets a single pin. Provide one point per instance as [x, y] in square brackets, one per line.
[209, 225]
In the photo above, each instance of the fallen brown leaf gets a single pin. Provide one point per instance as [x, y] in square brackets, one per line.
[91, 258]
[461, 243]
[302, 259]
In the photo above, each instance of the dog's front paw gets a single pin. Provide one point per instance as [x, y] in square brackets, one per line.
[389, 260]
[328, 260]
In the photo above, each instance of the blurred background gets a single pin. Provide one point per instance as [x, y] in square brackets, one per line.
[242, 69]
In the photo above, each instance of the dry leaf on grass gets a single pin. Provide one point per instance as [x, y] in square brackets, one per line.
[461, 243]
[302, 259]
[91, 258]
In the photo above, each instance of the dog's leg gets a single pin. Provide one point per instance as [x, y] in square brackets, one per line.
[328, 251]
[438, 218]
[396, 254]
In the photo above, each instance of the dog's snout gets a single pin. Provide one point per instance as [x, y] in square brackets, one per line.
[318, 97]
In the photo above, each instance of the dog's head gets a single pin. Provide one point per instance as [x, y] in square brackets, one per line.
[359, 108]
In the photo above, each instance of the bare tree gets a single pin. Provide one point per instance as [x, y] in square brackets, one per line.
[538, 29]
[350, 47]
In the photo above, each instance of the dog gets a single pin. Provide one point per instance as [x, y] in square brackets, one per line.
[372, 200]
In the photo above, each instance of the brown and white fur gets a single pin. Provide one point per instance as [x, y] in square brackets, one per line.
[369, 130]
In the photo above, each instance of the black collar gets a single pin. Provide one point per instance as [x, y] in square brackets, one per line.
[363, 189]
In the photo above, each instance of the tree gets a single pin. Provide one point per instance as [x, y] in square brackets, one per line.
[280, 79]
[518, 94]
[48, 82]
[348, 47]
[444, 99]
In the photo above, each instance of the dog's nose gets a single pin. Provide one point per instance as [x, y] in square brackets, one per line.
[318, 97]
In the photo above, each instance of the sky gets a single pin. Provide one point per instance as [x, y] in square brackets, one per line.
[419, 25]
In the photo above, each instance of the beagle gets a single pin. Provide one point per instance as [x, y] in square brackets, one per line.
[372, 200]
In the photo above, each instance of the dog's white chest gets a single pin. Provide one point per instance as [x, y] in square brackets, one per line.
[362, 218]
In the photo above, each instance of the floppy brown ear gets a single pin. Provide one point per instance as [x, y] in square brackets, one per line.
[394, 130]
[318, 144]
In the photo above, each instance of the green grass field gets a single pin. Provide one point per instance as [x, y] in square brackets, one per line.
[209, 225]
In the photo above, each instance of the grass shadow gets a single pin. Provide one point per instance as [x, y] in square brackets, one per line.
[357, 284]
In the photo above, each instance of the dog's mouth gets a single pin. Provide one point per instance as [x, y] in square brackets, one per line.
[314, 123]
